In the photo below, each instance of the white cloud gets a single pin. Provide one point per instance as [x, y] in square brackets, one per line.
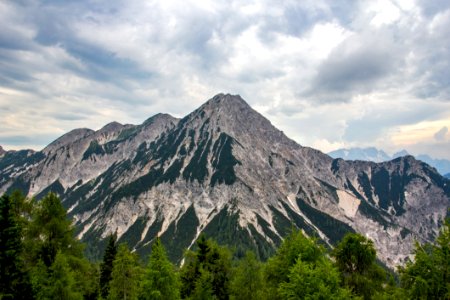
[328, 73]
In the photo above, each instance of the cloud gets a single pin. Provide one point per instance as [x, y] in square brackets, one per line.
[440, 135]
[326, 72]
[355, 67]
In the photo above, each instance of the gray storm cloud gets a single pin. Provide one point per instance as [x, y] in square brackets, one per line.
[68, 64]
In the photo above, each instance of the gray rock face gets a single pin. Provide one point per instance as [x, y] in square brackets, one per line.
[2, 151]
[226, 171]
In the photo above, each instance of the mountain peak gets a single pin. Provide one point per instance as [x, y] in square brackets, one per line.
[158, 117]
[228, 102]
[234, 116]
[111, 127]
[67, 138]
[2, 151]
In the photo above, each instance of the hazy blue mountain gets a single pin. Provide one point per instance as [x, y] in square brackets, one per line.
[366, 154]
[400, 154]
[442, 165]
[226, 171]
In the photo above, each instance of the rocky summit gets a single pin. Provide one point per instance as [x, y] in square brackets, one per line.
[226, 171]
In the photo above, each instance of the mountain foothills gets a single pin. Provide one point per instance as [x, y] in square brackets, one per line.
[225, 171]
[376, 155]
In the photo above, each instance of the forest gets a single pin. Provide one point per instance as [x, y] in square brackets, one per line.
[41, 258]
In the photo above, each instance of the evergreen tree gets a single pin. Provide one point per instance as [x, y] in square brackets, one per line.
[14, 281]
[356, 260]
[428, 277]
[203, 289]
[126, 275]
[318, 280]
[60, 284]
[106, 266]
[247, 281]
[278, 267]
[161, 281]
[209, 258]
[51, 231]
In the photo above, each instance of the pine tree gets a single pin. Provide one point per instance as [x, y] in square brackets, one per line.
[14, 281]
[126, 275]
[61, 284]
[247, 281]
[52, 232]
[161, 281]
[356, 260]
[278, 267]
[106, 266]
[210, 260]
[313, 280]
[428, 277]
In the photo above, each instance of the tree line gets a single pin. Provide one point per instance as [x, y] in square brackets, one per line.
[40, 258]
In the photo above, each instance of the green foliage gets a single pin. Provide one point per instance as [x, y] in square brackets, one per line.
[51, 231]
[126, 275]
[161, 280]
[61, 284]
[355, 258]
[428, 277]
[296, 245]
[50, 234]
[209, 264]
[14, 281]
[247, 281]
[40, 258]
[313, 280]
[106, 266]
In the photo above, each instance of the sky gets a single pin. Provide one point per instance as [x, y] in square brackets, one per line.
[330, 74]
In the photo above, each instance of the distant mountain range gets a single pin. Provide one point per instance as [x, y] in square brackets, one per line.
[226, 171]
[376, 155]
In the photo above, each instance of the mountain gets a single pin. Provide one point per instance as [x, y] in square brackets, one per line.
[400, 154]
[447, 175]
[367, 154]
[226, 171]
[375, 155]
[441, 165]
[2, 151]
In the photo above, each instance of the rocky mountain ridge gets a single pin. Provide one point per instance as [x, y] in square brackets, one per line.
[226, 171]
[376, 155]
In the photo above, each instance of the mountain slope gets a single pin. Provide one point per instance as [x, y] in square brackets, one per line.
[226, 171]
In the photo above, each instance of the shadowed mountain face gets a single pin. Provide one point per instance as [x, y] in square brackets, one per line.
[226, 171]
